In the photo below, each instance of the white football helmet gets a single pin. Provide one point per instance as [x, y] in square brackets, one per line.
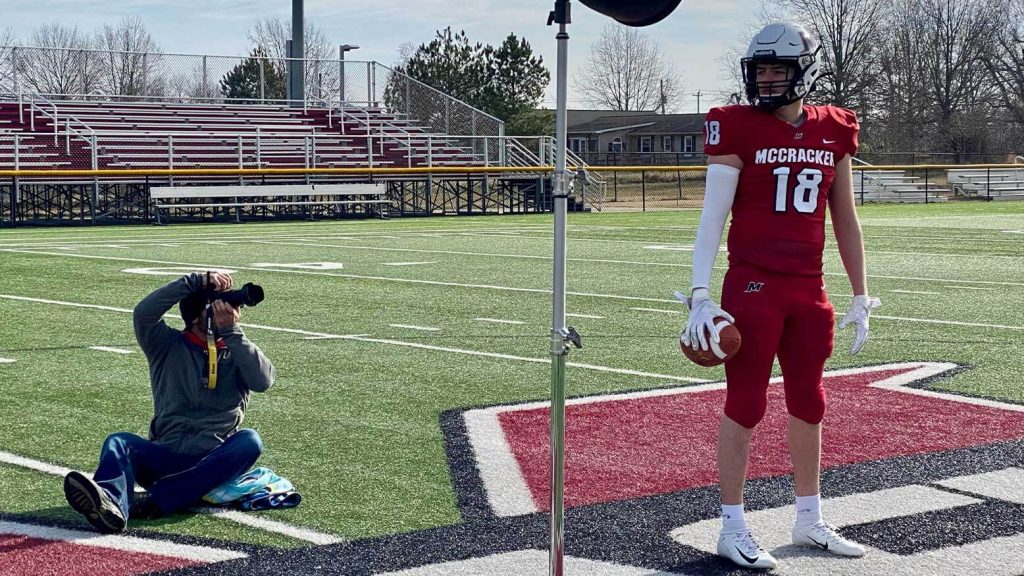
[782, 43]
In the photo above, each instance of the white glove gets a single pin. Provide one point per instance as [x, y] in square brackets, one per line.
[860, 310]
[701, 322]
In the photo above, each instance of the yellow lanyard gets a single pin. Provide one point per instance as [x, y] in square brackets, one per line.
[211, 353]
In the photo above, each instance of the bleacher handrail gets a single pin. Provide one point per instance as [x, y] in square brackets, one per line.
[69, 131]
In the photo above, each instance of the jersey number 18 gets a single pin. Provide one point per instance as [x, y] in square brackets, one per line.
[805, 194]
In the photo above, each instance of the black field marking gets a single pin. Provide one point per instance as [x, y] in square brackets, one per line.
[471, 498]
[636, 532]
[938, 529]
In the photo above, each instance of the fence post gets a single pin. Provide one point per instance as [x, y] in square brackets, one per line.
[861, 187]
[17, 154]
[263, 82]
[95, 153]
[408, 98]
[643, 190]
[988, 183]
[926, 185]
[447, 115]
[679, 184]
[205, 78]
[170, 156]
[615, 186]
[369, 97]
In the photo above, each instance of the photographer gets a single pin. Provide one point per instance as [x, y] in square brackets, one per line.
[195, 443]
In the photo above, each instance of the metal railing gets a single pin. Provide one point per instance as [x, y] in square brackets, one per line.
[39, 103]
[592, 188]
[260, 147]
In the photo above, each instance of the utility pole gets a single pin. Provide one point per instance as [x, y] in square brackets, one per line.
[697, 94]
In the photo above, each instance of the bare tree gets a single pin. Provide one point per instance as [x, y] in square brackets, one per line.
[627, 71]
[322, 78]
[850, 34]
[1005, 60]
[957, 32]
[130, 59]
[7, 40]
[904, 98]
[60, 63]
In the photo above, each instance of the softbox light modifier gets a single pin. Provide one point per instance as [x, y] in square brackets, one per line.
[632, 12]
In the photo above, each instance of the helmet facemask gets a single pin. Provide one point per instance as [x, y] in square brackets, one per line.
[793, 89]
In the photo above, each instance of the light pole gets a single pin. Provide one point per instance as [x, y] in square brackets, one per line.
[297, 57]
[341, 68]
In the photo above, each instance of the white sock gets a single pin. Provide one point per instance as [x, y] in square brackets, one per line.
[808, 510]
[732, 518]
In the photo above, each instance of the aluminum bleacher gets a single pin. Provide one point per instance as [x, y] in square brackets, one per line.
[80, 134]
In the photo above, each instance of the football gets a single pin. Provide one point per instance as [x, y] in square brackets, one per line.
[725, 349]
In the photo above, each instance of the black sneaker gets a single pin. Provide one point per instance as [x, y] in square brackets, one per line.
[91, 501]
[144, 507]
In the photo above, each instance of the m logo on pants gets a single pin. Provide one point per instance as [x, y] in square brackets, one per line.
[754, 287]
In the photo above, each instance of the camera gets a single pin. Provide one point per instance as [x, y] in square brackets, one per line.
[248, 295]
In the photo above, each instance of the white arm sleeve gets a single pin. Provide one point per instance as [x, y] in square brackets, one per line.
[718, 196]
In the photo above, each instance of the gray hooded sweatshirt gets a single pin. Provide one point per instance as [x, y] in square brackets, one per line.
[188, 417]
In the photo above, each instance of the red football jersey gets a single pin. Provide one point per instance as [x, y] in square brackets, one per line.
[778, 216]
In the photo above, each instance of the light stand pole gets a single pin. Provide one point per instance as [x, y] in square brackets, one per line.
[631, 13]
[561, 336]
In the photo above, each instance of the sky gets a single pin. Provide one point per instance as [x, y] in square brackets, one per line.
[694, 37]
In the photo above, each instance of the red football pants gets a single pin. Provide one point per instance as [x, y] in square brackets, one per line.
[788, 316]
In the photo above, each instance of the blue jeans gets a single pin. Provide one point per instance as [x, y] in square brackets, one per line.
[173, 480]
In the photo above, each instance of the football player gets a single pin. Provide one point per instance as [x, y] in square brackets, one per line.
[776, 165]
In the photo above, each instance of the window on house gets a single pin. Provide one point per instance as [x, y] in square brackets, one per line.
[616, 145]
[578, 145]
[666, 143]
[646, 145]
[688, 144]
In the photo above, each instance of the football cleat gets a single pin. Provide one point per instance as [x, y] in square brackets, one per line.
[742, 549]
[823, 535]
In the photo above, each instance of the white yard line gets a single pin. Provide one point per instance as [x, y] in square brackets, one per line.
[7, 361]
[546, 292]
[601, 261]
[408, 263]
[971, 288]
[949, 322]
[234, 516]
[361, 338]
[100, 238]
[916, 292]
[111, 349]
[657, 310]
[415, 327]
[499, 321]
[590, 316]
[164, 548]
[262, 523]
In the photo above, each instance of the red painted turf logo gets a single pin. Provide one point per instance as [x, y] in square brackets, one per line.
[634, 445]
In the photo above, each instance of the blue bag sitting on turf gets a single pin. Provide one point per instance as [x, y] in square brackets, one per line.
[258, 489]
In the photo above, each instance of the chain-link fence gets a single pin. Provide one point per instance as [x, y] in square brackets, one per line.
[88, 74]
